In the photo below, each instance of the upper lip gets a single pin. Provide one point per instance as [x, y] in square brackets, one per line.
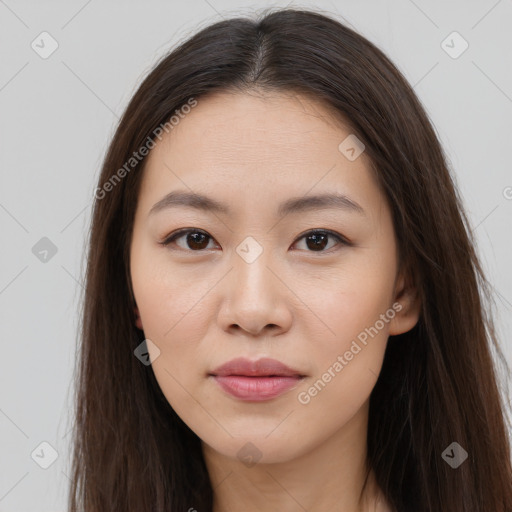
[264, 367]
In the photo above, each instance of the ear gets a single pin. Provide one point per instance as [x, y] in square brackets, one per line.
[407, 304]
[138, 321]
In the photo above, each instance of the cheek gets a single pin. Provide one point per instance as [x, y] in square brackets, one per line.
[346, 368]
[347, 302]
[175, 313]
[168, 298]
[356, 311]
[354, 355]
[174, 321]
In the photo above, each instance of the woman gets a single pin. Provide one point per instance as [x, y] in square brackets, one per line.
[283, 303]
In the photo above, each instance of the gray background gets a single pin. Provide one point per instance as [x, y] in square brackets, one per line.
[58, 114]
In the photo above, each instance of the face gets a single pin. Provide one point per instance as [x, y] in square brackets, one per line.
[271, 273]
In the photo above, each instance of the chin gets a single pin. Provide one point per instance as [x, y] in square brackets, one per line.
[259, 449]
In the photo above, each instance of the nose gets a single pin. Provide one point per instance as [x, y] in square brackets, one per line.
[255, 299]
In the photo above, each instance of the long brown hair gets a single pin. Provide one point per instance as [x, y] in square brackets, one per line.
[439, 381]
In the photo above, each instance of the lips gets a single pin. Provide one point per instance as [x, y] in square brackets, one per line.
[257, 381]
[264, 367]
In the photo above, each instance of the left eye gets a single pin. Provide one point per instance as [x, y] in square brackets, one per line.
[197, 240]
[317, 241]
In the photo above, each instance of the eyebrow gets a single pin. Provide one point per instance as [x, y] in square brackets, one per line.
[302, 204]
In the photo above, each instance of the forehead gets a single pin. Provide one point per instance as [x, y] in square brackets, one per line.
[257, 147]
[264, 123]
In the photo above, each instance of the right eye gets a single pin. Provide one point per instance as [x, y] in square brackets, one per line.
[195, 240]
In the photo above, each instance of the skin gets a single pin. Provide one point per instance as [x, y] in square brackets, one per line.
[294, 304]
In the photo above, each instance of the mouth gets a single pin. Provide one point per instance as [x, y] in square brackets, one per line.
[256, 381]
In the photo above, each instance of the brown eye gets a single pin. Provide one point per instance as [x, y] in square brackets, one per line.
[317, 241]
[194, 239]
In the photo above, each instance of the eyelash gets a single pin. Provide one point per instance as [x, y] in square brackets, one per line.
[181, 232]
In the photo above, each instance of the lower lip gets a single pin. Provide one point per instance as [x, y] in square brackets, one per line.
[256, 389]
